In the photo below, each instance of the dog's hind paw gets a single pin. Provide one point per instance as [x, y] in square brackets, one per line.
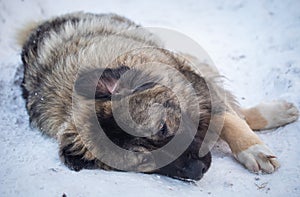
[278, 113]
[258, 158]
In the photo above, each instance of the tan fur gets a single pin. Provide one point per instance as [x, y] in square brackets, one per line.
[254, 118]
[238, 134]
[24, 32]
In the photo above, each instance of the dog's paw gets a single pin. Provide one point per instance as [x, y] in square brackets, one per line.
[278, 113]
[258, 158]
[140, 160]
[76, 162]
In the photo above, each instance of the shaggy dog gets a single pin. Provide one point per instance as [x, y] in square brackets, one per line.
[115, 99]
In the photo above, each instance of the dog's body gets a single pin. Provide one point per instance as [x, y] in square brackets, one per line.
[70, 53]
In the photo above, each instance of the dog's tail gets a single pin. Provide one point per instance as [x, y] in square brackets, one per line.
[22, 34]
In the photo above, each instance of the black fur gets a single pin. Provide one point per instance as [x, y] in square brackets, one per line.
[76, 162]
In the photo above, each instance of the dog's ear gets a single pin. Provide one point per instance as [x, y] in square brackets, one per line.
[99, 83]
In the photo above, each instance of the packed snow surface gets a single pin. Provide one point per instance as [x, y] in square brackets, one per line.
[255, 44]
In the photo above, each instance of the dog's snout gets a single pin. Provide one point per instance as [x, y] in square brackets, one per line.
[187, 167]
[194, 170]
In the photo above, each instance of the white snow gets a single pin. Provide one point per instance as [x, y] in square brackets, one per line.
[255, 44]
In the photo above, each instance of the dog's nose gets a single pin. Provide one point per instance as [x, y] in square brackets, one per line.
[194, 170]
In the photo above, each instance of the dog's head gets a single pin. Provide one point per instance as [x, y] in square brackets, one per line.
[138, 112]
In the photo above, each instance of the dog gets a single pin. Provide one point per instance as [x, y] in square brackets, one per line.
[115, 99]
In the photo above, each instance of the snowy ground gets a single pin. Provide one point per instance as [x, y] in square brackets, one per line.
[256, 44]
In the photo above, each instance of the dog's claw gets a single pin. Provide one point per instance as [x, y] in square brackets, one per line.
[258, 158]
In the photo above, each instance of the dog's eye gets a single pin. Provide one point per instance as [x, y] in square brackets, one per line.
[144, 87]
[163, 129]
[189, 156]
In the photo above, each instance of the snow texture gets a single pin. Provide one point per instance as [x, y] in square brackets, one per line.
[255, 44]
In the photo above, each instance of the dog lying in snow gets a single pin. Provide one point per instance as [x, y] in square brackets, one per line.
[81, 68]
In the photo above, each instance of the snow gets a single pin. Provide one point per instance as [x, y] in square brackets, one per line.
[255, 44]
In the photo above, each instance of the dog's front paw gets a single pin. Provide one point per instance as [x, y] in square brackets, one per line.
[258, 158]
[141, 160]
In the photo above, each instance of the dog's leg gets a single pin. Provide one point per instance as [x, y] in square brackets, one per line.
[268, 115]
[246, 145]
[76, 156]
[73, 153]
